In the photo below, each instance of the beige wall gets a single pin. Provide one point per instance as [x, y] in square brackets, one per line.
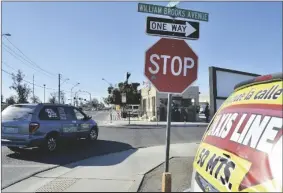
[148, 93]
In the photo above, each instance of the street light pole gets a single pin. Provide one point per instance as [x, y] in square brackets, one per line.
[72, 91]
[44, 93]
[107, 82]
[59, 91]
[33, 86]
[76, 101]
[88, 93]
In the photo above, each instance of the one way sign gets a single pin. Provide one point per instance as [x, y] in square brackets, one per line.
[172, 28]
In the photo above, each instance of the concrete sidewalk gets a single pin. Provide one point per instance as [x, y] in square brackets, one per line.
[116, 172]
[125, 123]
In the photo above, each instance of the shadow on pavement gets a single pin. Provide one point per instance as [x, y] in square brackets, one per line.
[105, 160]
[75, 151]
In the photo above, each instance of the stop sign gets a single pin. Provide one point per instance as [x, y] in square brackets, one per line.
[171, 65]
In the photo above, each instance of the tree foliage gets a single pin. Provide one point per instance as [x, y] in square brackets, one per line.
[133, 95]
[22, 89]
[35, 99]
[53, 98]
[11, 100]
[94, 103]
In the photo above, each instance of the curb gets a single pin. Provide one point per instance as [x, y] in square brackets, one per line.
[139, 180]
[137, 183]
[153, 125]
[28, 176]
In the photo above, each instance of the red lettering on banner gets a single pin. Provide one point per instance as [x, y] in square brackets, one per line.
[249, 132]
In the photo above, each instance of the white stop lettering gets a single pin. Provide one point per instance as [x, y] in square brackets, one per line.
[182, 64]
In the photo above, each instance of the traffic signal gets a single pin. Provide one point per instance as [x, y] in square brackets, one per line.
[128, 75]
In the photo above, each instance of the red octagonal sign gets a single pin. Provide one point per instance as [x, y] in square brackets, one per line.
[171, 65]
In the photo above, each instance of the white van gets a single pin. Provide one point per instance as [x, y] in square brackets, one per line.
[133, 109]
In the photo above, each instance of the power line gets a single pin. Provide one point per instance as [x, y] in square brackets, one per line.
[29, 82]
[21, 58]
[26, 60]
[32, 62]
[9, 66]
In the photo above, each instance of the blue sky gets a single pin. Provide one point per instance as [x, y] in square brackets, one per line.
[88, 41]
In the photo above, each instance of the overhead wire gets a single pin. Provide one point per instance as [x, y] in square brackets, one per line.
[29, 82]
[6, 64]
[27, 60]
[32, 62]
[22, 59]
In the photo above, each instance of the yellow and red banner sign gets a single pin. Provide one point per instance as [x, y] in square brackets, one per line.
[242, 149]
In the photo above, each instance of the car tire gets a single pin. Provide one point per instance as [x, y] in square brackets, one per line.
[15, 149]
[93, 134]
[51, 144]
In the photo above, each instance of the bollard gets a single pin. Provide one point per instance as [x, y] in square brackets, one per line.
[166, 182]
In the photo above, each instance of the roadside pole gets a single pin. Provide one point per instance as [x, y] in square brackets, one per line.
[169, 81]
[166, 177]
[111, 114]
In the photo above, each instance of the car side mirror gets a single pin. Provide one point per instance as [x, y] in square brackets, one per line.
[88, 117]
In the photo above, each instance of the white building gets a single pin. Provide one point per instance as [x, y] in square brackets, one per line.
[154, 104]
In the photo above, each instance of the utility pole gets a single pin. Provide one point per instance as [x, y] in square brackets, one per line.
[59, 88]
[44, 94]
[33, 86]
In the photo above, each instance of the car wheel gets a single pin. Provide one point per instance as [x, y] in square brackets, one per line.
[51, 144]
[15, 149]
[93, 134]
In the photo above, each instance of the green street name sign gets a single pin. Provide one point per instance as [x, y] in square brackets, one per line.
[172, 12]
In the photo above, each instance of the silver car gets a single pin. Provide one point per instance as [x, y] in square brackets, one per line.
[44, 125]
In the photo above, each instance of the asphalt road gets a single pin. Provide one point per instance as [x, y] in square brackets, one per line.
[18, 166]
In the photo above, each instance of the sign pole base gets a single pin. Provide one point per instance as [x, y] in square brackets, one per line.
[166, 182]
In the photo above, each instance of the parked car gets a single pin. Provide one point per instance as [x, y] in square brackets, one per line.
[241, 151]
[44, 125]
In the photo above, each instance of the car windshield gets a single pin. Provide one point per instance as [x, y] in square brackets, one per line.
[18, 112]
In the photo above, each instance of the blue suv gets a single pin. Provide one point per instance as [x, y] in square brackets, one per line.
[44, 125]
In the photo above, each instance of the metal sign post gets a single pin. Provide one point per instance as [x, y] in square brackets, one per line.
[166, 177]
[168, 127]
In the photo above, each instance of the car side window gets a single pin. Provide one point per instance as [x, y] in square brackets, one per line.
[62, 113]
[70, 113]
[49, 114]
[79, 115]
